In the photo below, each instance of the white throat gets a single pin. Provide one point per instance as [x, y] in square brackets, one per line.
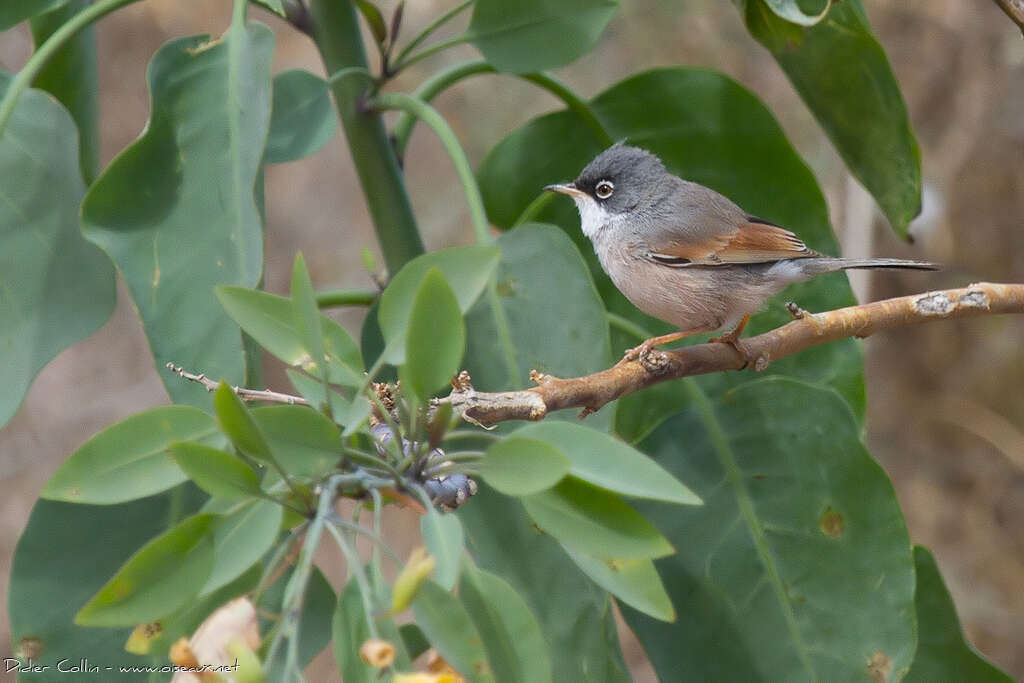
[593, 216]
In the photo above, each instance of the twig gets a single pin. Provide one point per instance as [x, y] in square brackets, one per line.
[593, 391]
[243, 393]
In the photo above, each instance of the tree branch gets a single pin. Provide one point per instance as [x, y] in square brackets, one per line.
[243, 393]
[594, 391]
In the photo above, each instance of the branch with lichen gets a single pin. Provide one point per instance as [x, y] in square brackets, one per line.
[807, 329]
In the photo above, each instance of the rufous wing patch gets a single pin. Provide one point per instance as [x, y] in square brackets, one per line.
[757, 242]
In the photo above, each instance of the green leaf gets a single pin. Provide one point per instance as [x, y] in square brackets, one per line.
[607, 462]
[518, 466]
[239, 424]
[130, 459]
[71, 76]
[60, 541]
[536, 35]
[218, 473]
[349, 631]
[449, 629]
[302, 117]
[186, 620]
[57, 288]
[305, 443]
[176, 209]
[591, 520]
[374, 19]
[306, 316]
[268, 319]
[536, 330]
[633, 581]
[241, 538]
[16, 11]
[165, 574]
[442, 535]
[510, 633]
[465, 269]
[436, 338]
[575, 615]
[842, 73]
[793, 11]
[798, 563]
[942, 651]
[315, 627]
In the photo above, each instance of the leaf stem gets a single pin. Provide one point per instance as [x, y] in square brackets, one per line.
[445, 79]
[427, 52]
[429, 30]
[355, 566]
[429, 116]
[346, 297]
[28, 72]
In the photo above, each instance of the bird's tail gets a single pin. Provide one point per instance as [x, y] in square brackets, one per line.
[818, 266]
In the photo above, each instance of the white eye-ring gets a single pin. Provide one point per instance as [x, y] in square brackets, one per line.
[604, 189]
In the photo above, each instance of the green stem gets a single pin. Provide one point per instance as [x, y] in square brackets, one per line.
[534, 208]
[335, 29]
[429, 30]
[346, 297]
[427, 52]
[429, 116]
[356, 567]
[434, 86]
[28, 72]
[295, 591]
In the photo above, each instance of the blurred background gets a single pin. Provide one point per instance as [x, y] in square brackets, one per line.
[945, 403]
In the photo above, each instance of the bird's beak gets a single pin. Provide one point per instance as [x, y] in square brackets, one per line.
[568, 188]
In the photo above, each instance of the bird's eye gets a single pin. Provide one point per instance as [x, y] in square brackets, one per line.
[604, 189]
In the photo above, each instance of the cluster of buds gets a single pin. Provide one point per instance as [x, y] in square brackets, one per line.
[446, 491]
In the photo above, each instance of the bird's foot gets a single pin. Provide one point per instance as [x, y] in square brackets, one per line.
[733, 340]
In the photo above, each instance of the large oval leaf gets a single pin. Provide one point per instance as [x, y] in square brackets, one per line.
[305, 442]
[841, 72]
[164, 575]
[442, 534]
[535, 35]
[176, 209]
[16, 11]
[130, 459]
[57, 288]
[634, 582]
[798, 566]
[220, 474]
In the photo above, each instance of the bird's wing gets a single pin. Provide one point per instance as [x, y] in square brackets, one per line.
[752, 241]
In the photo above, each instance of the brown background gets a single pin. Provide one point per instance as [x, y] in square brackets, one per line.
[946, 414]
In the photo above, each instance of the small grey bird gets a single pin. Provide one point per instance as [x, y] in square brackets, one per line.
[684, 253]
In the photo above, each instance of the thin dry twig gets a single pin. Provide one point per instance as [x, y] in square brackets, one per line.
[1013, 9]
[265, 395]
[594, 391]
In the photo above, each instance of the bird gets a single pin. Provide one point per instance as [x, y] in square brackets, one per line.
[686, 254]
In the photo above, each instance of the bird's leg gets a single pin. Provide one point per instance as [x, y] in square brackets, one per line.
[645, 348]
[733, 339]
